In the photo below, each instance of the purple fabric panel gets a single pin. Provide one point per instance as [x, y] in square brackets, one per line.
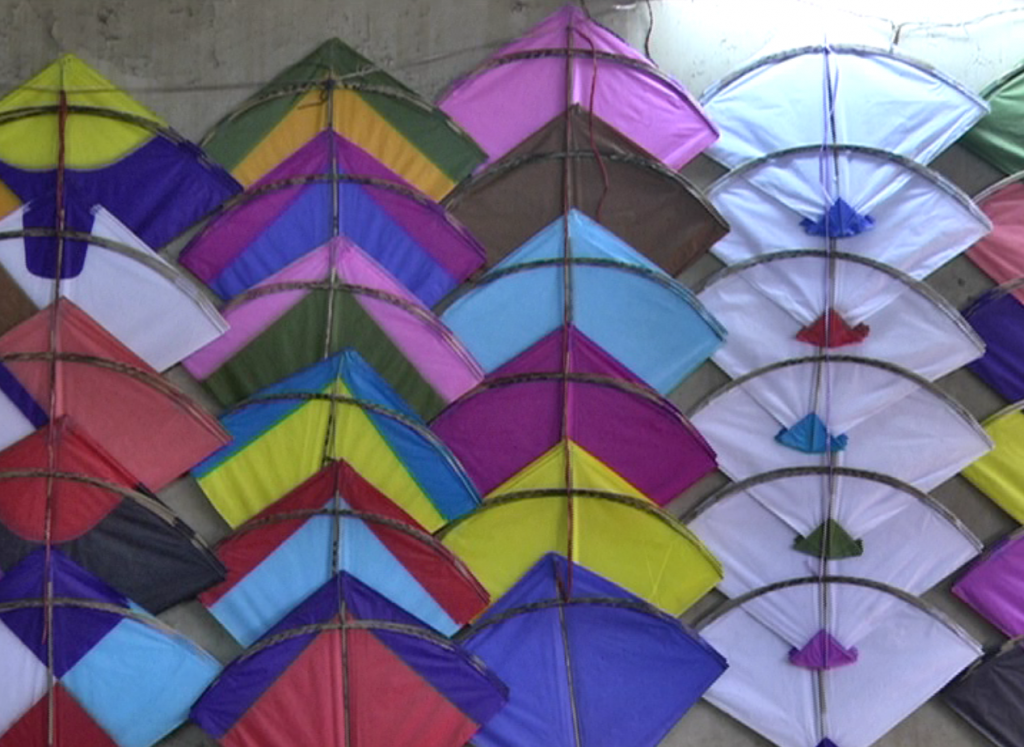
[158, 191]
[585, 357]
[526, 652]
[75, 630]
[822, 652]
[41, 251]
[496, 432]
[994, 586]
[632, 695]
[999, 320]
[20, 397]
[826, 742]
[499, 431]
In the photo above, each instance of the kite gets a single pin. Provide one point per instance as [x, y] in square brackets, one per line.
[569, 59]
[528, 415]
[91, 509]
[831, 661]
[139, 418]
[348, 667]
[830, 521]
[632, 310]
[604, 176]
[1000, 255]
[328, 188]
[70, 139]
[775, 309]
[336, 521]
[844, 411]
[989, 696]
[83, 665]
[590, 667]
[1000, 473]
[91, 180]
[335, 89]
[333, 298]
[996, 138]
[859, 200]
[993, 585]
[339, 408]
[998, 318]
[844, 91]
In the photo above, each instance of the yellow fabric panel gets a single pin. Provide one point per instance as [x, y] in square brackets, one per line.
[290, 453]
[90, 141]
[354, 120]
[501, 543]
[644, 554]
[9, 201]
[629, 546]
[1000, 473]
[548, 472]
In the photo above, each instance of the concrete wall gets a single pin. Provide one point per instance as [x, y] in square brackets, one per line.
[192, 60]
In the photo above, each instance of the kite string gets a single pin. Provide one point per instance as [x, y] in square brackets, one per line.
[51, 441]
[605, 180]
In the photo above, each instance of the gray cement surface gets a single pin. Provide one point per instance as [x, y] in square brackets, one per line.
[191, 61]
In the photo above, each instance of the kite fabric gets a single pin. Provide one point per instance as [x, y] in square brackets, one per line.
[891, 424]
[994, 585]
[330, 187]
[135, 294]
[771, 321]
[996, 138]
[804, 681]
[1000, 473]
[339, 408]
[843, 90]
[98, 516]
[834, 521]
[1000, 254]
[989, 696]
[336, 89]
[632, 310]
[334, 298]
[109, 151]
[525, 411]
[502, 539]
[139, 418]
[112, 675]
[337, 521]
[998, 318]
[570, 59]
[605, 176]
[348, 667]
[598, 667]
[858, 200]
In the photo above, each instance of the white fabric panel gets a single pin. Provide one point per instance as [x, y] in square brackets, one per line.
[902, 663]
[878, 100]
[842, 393]
[23, 680]
[13, 425]
[921, 439]
[161, 318]
[912, 332]
[755, 545]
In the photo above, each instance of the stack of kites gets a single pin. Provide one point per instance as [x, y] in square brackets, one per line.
[444, 339]
[92, 183]
[989, 695]
[831, 427]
